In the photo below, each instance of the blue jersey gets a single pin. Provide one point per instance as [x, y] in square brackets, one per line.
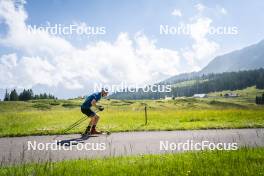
[88, 101]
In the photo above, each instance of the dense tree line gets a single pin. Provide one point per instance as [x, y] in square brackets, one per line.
[25, 95]
[204, 84]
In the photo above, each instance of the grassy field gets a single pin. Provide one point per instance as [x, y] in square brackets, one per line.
[244, 161]
[51, 117]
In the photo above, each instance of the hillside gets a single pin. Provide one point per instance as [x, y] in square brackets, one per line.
[251, 57]
[203, 84]
[248, 58]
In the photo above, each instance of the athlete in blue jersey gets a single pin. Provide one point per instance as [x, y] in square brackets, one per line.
[86, 109]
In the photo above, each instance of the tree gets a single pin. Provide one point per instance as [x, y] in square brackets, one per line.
[26, 95]
[13, 95]
[257, 100]
[7, 96]
[37, 97]
[260, 82]
[45, 96]
[260, 100]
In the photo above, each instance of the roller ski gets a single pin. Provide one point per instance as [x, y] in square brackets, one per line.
[94, 133]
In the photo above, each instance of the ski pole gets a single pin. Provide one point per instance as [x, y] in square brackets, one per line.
[74, 125]
[78, 122]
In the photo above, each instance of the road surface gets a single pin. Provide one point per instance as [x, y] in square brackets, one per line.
[16, 150]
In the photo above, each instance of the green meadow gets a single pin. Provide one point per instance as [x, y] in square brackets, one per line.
[245, 161]
[40, 117]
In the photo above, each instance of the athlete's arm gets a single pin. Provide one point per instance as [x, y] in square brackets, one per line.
[100, 108]
[93, 103]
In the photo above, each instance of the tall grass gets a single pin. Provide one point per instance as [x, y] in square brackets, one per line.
[54, 121]
[244, 161]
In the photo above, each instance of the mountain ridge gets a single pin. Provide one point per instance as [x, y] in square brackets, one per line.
[247, 58]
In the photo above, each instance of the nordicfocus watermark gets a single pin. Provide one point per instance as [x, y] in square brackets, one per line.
[59, 145]
[188, 29]
[70, 29]
[124, 87]
[191, 145]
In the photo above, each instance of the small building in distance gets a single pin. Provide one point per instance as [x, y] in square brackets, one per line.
[200, 96]
[168, 98]
[227, 95]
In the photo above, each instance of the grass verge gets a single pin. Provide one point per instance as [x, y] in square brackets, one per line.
[245, 161]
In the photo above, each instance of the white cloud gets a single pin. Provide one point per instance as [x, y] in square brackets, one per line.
[9, 60]
[25, 72]
[7, 64]
[176, 12]
[223, 11]
[53, 61]
[202, 49]
[200, 7]
[19, 37]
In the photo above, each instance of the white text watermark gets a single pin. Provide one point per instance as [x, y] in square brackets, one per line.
[124, 87]
[188, 29]
[71, 29]
[66, 146]
[191, 145]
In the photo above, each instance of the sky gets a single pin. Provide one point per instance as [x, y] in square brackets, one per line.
[134, 42]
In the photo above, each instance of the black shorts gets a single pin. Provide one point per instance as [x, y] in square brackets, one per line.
[88, 112]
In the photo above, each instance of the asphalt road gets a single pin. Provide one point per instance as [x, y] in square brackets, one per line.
[16, 150]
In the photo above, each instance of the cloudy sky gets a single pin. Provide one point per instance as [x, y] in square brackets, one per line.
[125, 43]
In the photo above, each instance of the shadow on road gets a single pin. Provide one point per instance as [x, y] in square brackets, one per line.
[73, 141]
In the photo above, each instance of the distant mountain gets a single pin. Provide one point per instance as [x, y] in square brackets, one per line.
[249, 58]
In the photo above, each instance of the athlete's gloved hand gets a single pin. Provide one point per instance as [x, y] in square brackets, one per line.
[100, 108]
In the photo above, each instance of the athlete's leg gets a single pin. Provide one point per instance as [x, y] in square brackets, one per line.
[90, 114]
[96, 119]
[88, 128]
